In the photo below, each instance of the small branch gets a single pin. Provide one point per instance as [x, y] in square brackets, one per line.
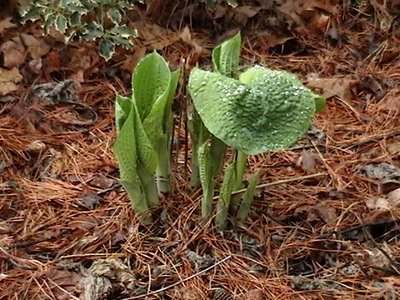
[278, 182]
[181, 281]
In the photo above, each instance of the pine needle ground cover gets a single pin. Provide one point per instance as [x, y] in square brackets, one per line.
[324, 224]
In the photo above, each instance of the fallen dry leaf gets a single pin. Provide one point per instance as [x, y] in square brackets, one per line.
[393, 149]
[307, 161]
[317, 212]
[391, 201]
[6, 24]
[330, 87]
[300, 10]
[187, 37]
[154, 35]
[102, 182]
[378, 203]
[35, 146]
[380, 170]
[131, 61]
[243, 13]
[8, 80]
[269, 39]
[35, 47]
[89, 199]
[35, 65]
[13, 52]
[63, 283]
[377, 257]
[394, 198]
[254, 295]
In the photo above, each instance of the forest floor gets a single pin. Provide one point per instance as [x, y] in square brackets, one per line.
[68, 231]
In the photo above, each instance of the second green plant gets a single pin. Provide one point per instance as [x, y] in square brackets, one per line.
[144, 124]
[261, 110]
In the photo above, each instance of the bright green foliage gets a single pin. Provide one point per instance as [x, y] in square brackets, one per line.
[126, 150]
[265, 110]
[74, 19]
[226, 56]
[225, 196]
[261, 110]
[199, 134]
[240, 166]
[207, 181]
[212, 150]
[153, 87]
[144, 129]
[247, 199]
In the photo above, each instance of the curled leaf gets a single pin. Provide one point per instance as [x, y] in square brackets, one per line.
[226, 56]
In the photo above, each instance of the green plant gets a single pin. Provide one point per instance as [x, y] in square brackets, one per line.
[208, 151]
[261, 110]
[144, 130]
[85, 20]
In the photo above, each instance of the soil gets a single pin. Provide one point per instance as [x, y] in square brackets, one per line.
[324, 224]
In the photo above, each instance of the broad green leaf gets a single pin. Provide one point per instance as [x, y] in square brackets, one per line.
[75, 19]
[170, 97]
[160, 113]
[266, 110]
[125, 111]
[132, 156]
[198, 134]
[225, 196]
[158, 125]
[150, 81]
[92, 31]
[106, 49]
[145, 149]
[226, 56]
[61, 24]
[206, 179]
[125, 149]
[122, 109]
[115, 15]
[49, 21]
[124, 31]
[121, 41]
[320, 104]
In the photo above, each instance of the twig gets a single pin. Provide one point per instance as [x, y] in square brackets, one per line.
[374, 140]
[260, 186]
[83, 255]
[181, 281]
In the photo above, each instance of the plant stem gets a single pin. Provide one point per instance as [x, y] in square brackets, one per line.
[217, 153]
[248, 199]
[206, 179]
[138, 201]
[148, 185]
[195, 177]
[199, 134]
[241, 160]
[162, 175]
[206, 203]
[225, 197]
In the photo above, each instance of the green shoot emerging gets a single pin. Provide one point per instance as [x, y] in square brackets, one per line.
[144, 131]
